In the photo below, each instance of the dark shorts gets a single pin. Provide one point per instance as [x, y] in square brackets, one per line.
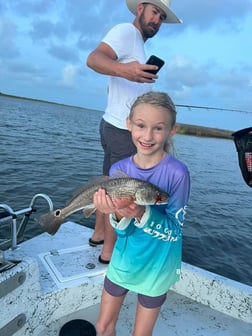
[150, 302]
[116, 143]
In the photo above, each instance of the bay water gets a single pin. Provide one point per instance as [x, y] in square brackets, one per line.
[54, 149]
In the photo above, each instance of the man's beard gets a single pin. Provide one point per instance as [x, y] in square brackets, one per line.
[148, 30]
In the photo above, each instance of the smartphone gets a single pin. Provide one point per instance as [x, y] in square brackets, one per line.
[154, 60]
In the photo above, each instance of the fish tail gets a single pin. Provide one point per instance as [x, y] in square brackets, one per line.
[51, 222]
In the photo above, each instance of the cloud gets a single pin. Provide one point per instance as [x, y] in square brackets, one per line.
[63, 52]
[100, 15]
[208, 14]
[207, 84]
[29, 8]
[234, 78]
[187, 72]
[44, 29]
[22, 75]
[85, 42]
[44, 45]
[8, 34]
[90, 23]
[69, 73]
[23, 68]
[2, 7]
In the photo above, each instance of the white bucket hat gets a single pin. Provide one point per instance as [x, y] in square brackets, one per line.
[163, 4]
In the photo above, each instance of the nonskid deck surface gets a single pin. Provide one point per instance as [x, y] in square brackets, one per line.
[69, 272]
[181, 316]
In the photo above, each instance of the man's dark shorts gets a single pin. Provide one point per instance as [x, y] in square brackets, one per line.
[146, 301]
[117, 145]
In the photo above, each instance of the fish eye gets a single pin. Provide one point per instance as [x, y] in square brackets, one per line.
[57, 212]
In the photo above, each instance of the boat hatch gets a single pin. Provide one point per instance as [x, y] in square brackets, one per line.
[71, 265]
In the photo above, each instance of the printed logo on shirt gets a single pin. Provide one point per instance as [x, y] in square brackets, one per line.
[160, 235]
[180, 215]
[166, 234]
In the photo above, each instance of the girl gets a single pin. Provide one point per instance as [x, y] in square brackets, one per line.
[147, 253]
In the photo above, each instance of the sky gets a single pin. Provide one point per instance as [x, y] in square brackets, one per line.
[44, 45]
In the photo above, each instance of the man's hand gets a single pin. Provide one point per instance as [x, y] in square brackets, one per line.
[104, 60]
[137, 72]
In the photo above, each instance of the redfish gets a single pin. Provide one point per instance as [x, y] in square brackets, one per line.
[141, 192]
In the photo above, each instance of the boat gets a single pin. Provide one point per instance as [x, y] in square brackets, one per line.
[51, 285]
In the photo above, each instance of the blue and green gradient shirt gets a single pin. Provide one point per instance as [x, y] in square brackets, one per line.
[147, 255]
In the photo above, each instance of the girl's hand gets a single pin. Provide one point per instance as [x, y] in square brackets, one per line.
[127, 208]
[103, 202]
[121, 206]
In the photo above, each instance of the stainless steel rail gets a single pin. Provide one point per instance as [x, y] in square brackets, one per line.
[10, 215]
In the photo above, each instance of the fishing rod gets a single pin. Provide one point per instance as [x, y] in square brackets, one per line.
[211, 108]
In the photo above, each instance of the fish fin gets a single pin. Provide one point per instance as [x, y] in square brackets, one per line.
[88, 212]
[79, 190]
[94, 180]
[118, 174]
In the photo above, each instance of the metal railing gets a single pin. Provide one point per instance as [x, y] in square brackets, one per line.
[10, 215]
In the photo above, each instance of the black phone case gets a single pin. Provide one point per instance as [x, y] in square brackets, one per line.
[154, 60]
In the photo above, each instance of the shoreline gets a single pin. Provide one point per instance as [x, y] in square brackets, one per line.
[186, 129]
[202, 131]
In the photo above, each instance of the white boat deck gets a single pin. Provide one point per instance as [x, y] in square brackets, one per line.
[63, 281]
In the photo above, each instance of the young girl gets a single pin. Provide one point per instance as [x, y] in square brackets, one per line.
[147, 253]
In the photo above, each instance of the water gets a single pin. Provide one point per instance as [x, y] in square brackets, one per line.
[54, 149]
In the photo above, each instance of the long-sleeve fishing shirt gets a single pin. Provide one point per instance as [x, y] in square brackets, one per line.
[147, 255]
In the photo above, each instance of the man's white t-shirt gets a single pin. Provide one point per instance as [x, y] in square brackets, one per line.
[127, 42]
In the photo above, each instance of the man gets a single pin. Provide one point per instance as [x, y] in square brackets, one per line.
[121, 55]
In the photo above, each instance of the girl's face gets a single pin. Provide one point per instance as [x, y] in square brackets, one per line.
[150, 126]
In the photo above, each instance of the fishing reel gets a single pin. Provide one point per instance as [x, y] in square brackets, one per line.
[243, 143]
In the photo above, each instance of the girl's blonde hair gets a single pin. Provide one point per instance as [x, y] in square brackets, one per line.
[158, 99]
